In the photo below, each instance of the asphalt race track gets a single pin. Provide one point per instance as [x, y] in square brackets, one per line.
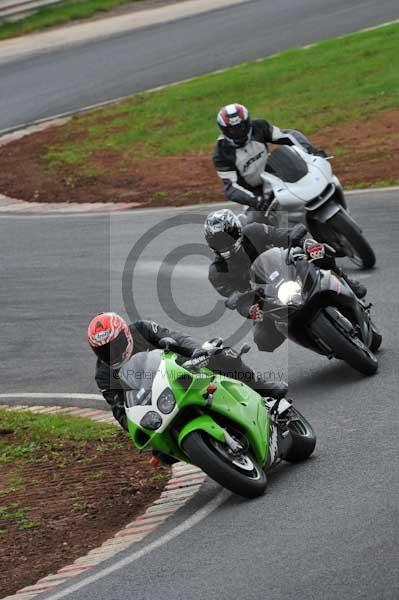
[325, 529]
[70, 79]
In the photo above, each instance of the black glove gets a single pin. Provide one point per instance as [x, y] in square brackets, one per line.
[167, 343]
[297, 233]
[262, 203]
[199, 352]
[115, 399]
[118, 410]
[208, 349]
[317, 152]
[232, 301]
[212, 344]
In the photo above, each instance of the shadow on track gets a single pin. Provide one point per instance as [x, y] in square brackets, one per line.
[337, 375]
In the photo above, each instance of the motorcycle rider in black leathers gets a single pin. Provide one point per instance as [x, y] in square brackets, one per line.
[114, 342]
[241, 154]
[236, 246]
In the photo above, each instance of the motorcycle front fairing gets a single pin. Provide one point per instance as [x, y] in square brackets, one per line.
[310, 186]
[277, 283]
[292, 195]
[144, 378]
[234, 404]
[149, 376]
[319, 289]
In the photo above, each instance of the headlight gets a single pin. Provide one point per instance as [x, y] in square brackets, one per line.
[152, 420]
[289, 292]
[166, 401]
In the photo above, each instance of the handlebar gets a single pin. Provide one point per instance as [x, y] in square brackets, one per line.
[296, 233]
[203, 358]
[323, 246]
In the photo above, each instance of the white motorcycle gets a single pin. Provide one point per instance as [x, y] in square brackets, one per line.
[304, 188]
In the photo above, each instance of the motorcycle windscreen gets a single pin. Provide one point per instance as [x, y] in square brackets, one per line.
[138, 374]
[287, 165]
[269, 270]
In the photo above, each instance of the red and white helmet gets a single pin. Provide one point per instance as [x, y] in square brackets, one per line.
[110, 338]
[235, 123]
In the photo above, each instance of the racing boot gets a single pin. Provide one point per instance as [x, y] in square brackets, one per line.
[159, 459]
[357, 288]
[276, 390]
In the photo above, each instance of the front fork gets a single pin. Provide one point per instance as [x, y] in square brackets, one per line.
[368, 333]
[279, 435]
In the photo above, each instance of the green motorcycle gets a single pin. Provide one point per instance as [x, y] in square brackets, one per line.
[181, 408]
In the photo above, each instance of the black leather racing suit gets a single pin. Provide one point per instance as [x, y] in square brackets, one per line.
[229, 276]
[232, 276]
[147, 335]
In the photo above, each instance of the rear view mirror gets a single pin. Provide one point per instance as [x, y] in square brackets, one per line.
[244, 349]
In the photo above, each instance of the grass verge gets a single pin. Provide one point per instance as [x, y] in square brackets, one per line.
[30, 437]
[344, 79]
[59, 14]
[27, 438]
[67, 484]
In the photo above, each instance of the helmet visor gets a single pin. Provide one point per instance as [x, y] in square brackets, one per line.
[112, 353]
[226, 243]
[238, 133]
[227, 253]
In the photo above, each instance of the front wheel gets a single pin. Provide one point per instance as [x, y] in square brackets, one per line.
[302, 435]
[345, 345]
[352, 240]
[238, 473]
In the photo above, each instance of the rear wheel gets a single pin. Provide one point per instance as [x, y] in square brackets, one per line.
[238, 473]
[303, 437]
[345, 345]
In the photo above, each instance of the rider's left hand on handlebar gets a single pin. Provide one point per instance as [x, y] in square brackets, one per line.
[200, 352]
[262, 203]
[212, 344]
[317, 152]
[297, 234]
[207, 350]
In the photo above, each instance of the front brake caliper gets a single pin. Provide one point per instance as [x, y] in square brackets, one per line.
[234, 446]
